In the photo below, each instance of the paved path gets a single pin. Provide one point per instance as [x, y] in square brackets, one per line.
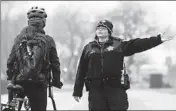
[139, 99]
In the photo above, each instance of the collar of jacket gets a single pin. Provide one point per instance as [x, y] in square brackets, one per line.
[41, 30]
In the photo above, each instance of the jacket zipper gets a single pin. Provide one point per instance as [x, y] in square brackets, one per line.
[101, 51]
[102, 47]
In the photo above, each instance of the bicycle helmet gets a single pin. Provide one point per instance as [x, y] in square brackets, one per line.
[36, 12]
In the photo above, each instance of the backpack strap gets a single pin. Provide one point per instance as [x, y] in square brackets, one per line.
[124, 67]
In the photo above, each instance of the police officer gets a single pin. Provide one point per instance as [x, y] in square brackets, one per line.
[101, 64]
[36, 90]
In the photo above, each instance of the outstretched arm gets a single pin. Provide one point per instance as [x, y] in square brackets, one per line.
[139, 45]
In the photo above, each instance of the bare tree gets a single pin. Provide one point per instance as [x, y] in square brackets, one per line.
[69, 27]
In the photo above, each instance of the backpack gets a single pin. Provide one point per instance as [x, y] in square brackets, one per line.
[31, 53]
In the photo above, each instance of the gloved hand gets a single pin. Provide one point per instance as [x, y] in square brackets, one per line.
[57, 84]
[10, 85]
[77, 98]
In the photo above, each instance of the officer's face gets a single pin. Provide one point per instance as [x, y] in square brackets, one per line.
[102, 32]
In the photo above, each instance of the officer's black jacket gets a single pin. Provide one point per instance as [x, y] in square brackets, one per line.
[53, 59]
[107, 61]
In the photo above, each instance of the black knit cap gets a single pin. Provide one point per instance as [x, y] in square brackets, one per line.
[107, 24]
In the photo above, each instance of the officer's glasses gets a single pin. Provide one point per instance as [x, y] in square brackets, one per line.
[101, 28]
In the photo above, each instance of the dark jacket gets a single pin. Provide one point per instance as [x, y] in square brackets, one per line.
[52, 56]
[107, 60]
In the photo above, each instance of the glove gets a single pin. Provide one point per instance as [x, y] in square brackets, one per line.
[57, 84]
[10, 85]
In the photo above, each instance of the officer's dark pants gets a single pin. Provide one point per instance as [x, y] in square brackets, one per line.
[108, 98]
[37, 95]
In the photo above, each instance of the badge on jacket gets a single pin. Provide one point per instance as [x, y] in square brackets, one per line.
[110, 48]
[92, 51]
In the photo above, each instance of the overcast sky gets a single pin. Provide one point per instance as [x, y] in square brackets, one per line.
[163, 11]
